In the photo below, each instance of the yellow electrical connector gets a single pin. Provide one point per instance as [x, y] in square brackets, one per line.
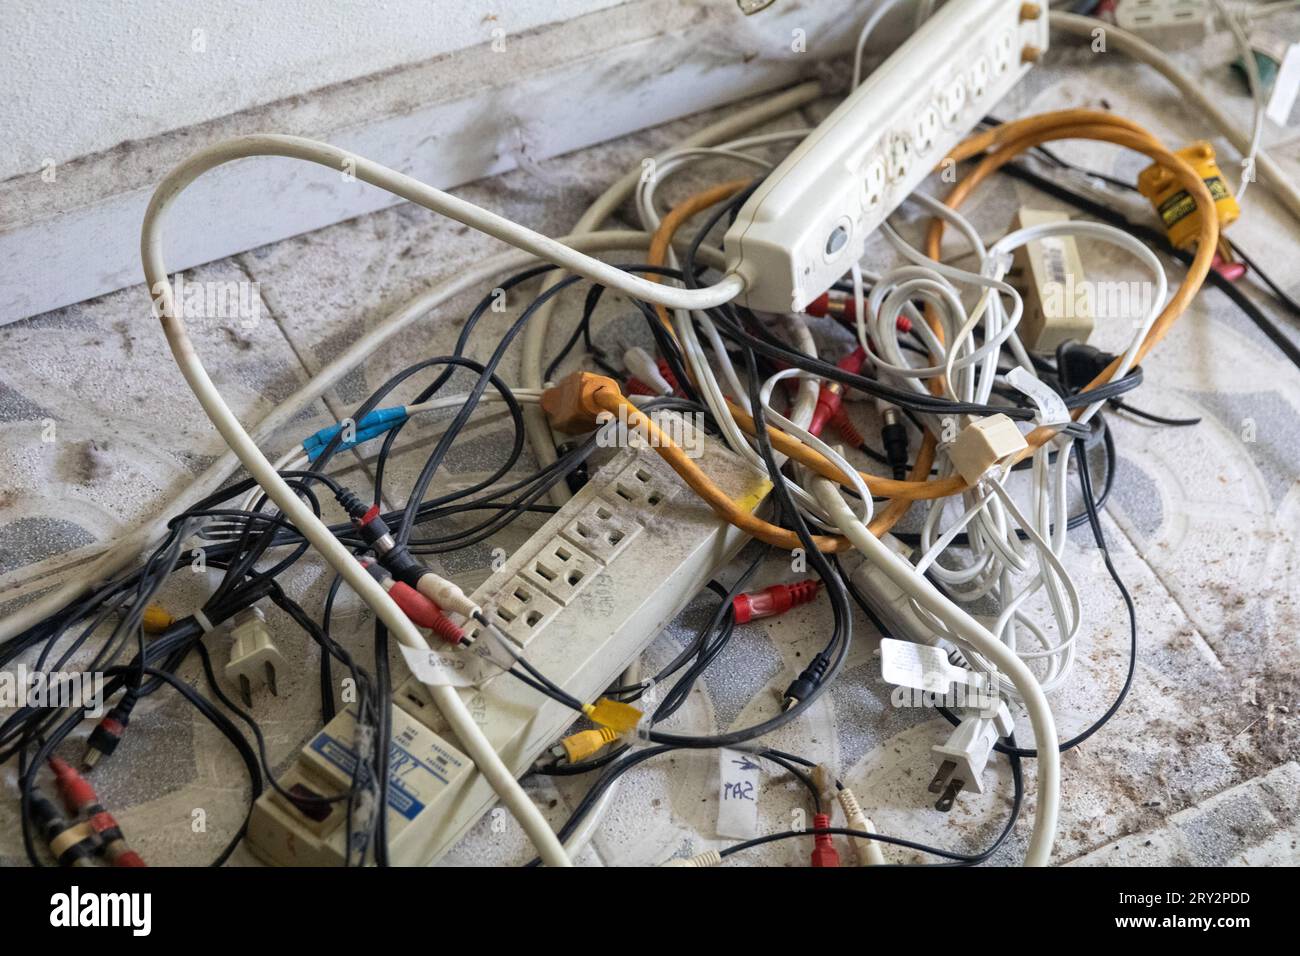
[1175, 206]
[584, 743]
[156, 619]
[618, 717]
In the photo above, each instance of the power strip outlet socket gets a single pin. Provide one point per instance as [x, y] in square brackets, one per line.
[1165, 19]
[585, 596]
[810, 219]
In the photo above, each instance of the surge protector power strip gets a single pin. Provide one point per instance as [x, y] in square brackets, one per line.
[810, 219]
[585, 596]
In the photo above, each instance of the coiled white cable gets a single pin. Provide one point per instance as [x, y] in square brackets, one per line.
[976, 636]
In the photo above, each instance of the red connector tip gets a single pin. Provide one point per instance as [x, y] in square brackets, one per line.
[1232, 271]
[76, 791]
[847, 312]
[424, 613]
[824, 853]
[773, 600]
[414, 605]
[819, 306]
[848, 431]
[666, 371]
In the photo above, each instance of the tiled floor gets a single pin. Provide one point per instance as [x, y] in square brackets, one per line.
[1199, 766]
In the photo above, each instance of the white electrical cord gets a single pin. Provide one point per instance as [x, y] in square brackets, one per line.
[992, 521]
[1256, 84]
[975, 636]
[447, 699]
[674, 160]
[534, 336]
[422, 194]
[873, 21]
[1271, 175]
[701, 363]
[119, 553]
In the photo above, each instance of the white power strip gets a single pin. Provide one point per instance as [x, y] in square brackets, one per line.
[584, 596]
[809, 220]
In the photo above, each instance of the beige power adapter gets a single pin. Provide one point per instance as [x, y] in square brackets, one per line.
[1057, 307]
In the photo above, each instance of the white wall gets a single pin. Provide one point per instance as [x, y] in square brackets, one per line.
[87, 93]
[81, 76]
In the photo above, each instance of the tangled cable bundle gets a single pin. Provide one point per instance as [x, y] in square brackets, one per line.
[973, 557]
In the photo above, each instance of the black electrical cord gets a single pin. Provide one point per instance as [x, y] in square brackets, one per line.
[1152, 417]
[1099, 537]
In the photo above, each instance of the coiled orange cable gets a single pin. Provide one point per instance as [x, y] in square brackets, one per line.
[1000, 146]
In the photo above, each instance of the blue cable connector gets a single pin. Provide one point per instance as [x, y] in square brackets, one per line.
[370, 426]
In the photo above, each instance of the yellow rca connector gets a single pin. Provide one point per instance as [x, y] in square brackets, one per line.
[584, 743]
[1175, 206]
[613, 715]
[156, 619]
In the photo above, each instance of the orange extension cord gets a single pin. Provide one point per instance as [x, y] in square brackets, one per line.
[998, 147]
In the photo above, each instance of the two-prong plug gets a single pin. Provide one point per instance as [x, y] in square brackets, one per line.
[254, 658]
[962, 757]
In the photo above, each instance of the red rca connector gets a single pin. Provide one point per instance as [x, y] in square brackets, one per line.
[824, 852]
[109, 731]
[848, 431]
[830, 397]
[648, 375]
[846, 312]
[666, 371]
[422, 611]
[81, 801]
[774, 600]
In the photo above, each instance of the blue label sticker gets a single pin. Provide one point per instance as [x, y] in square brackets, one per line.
[403, 768]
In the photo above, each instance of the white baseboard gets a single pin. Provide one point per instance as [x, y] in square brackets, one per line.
[448, 121]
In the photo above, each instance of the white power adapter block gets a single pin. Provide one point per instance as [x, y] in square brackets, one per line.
[1056, 306]
[308, 831]
[809, 220]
